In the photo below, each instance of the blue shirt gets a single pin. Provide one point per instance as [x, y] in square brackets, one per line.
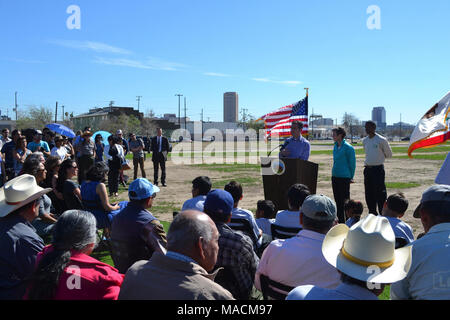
[195, 203]
[298, 148]
[8, 149]
[19, 246]
[343, 292]
[33, 146]
[344, 160]
[401, 229]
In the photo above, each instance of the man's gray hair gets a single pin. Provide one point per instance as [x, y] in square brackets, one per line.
[185, 230]
[75, 229]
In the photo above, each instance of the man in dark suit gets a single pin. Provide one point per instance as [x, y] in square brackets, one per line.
[159, 148]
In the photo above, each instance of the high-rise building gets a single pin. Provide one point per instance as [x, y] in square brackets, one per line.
[379, 117]
[230, 107]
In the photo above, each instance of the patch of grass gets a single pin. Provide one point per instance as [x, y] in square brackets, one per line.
[229, 167]
[244, 181]
[385, 295]
[163, 207]
[402, 185]
[433, 156]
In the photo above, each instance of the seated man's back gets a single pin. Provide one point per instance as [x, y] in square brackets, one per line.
[135, 229]
[164, 278]
[237, 257]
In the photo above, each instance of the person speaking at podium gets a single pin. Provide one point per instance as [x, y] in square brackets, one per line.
[296, 147]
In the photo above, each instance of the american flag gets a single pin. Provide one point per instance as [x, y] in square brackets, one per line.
[279, 121]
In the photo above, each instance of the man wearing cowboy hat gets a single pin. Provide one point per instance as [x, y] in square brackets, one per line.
[429, 276]
[19, 243]
[366, 257]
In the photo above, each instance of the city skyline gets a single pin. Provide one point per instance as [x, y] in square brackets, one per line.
[153, 50]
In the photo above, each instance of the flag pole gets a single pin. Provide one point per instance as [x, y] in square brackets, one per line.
[307, 91]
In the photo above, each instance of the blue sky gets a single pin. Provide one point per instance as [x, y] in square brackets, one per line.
[267, 51]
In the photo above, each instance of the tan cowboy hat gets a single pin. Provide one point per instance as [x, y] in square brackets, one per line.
[366, 251]
[18, 192]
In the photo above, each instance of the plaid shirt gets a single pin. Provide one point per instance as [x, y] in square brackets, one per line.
[240, 262]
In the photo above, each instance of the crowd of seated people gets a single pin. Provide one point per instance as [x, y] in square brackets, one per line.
[49, 228]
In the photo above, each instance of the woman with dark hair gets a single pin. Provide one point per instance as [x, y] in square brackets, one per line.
[45, 220]
[95, 197]
[69, 188]
[65, 271]
[115, 153]
[99, 148]
[52, 165]
[20, 153]
[344, 165]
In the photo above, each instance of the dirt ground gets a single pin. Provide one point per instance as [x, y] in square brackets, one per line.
[179, 179]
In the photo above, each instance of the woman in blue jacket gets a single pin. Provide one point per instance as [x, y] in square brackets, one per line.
[344, 164]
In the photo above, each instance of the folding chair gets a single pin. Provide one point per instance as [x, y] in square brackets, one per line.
[273, 290]
[400, 243]
[279, 232]
[240, 224]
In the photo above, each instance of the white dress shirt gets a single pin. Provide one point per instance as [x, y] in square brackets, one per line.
[429, 275]
[298, 261]
[377, 149]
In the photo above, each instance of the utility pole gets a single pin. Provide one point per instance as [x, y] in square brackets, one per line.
[56, 112]
[15, 104]
[138, 98]
[179, 115]
[184, 112]
[400, 127]
[63, 113]
[201, 121]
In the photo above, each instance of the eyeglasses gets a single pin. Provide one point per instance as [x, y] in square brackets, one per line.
[75, 167]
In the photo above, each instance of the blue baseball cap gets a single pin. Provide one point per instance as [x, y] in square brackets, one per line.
[142, 189]
[219, 201]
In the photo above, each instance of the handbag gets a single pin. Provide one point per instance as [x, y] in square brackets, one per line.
[125, 165]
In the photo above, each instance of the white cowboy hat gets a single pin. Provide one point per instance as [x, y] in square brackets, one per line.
[366, 251]
[18, 192]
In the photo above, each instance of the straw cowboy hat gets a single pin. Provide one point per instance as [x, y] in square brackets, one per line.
[87, 134]
[18, 192]
[366, 251]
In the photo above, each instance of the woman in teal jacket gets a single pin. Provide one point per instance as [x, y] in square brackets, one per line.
[344, 164]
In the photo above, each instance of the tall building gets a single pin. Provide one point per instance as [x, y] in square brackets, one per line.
[379, 117]
[230, 107]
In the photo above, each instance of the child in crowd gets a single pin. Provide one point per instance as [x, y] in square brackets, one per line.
[235, 189]
[265, 215]
[353, 210]
[394, 208]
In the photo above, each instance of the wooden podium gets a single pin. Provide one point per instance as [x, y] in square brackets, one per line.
[279, 174]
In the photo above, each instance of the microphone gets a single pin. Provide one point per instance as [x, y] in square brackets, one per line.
[284, 145]
[280, 146]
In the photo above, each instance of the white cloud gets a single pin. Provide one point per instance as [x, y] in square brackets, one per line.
[150, 63]
[90, 45]
[285, 82]
[216, 74]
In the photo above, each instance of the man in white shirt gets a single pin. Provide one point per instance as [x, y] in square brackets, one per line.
[59, 150]
[377, 149]
[200, 188]
[299, 260]
[429, 275]
[291, 218]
